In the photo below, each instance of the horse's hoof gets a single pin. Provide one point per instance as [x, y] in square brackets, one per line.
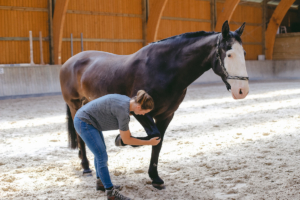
[159, 186]
[87, 172]
[119, 142]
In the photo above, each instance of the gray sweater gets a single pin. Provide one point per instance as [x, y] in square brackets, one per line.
[109, 112]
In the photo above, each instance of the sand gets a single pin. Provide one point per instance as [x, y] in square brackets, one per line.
[215, 148]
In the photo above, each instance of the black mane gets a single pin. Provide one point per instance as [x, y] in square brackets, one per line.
[186, 36]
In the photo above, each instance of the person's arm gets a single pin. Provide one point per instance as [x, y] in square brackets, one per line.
[127, 139]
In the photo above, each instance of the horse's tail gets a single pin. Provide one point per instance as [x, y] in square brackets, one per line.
[73, 144]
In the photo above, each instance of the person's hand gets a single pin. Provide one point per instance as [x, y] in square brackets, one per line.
[154, 141]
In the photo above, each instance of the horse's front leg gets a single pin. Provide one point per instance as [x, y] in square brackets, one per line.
[148, 123]
[150, 127]
[157, 182]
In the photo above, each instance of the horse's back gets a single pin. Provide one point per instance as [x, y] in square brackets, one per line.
[90, 73]
[83, 58]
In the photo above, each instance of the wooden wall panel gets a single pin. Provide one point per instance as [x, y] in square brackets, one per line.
[121, 48]
[252, 51]
[13, 52]
[248, 14]
[286, 47]
[16, 23]
[102, 24]
[25, 3]
[170, 28]
[252, 36]
[189, 10]
[251, 33]
[111, 6]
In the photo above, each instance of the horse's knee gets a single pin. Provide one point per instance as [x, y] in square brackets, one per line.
[156, 134]
[153, 133]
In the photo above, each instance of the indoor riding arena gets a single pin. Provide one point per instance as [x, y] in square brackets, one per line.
[217, 146]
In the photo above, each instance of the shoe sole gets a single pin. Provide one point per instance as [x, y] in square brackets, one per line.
[103, 189]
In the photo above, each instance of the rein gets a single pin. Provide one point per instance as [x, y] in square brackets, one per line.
[223, 67]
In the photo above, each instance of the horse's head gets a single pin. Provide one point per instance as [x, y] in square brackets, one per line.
[230, 62]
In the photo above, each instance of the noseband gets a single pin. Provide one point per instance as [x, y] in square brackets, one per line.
[224, 69]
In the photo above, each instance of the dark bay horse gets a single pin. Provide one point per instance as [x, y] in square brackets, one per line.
[164, 69]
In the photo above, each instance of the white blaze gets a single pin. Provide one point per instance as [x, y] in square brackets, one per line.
[235, 65]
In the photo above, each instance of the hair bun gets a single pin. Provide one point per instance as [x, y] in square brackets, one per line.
[144, 99]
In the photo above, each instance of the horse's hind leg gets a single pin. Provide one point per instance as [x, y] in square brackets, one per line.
[82, 156]
[82, 150]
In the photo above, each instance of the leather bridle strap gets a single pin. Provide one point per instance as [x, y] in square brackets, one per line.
[223, 67]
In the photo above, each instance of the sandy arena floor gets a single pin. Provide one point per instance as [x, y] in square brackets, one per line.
[215, 148]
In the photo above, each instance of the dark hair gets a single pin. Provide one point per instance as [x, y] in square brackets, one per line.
[144, 99]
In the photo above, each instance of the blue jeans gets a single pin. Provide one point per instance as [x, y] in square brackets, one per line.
[95, 141]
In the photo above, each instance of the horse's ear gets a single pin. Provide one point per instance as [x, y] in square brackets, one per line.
[225, 29]
[240, 30]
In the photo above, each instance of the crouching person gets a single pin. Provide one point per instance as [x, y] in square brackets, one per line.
[110, 112]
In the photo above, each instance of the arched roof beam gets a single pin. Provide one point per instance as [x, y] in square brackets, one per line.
[226, 14]
[274, 24]
[157, 9]
[58, 26]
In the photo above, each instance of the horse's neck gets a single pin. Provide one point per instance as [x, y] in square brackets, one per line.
[192, 61]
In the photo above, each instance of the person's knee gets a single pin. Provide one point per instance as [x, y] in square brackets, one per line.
[102, 159]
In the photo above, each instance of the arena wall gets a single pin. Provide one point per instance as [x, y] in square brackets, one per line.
[34, 80]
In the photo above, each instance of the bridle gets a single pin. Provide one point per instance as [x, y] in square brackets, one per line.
[224, 69]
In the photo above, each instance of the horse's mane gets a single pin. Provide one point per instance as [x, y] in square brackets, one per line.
[198, 35]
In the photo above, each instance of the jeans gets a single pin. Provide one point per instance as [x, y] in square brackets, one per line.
[95, 141]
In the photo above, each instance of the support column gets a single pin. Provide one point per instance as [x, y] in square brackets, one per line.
[264, 19]
[144, 21]
[50, 7]
[213, 14]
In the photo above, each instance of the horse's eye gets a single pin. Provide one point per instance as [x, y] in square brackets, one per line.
[244, 53]
[229, 55]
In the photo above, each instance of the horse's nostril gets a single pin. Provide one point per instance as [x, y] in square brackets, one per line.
[241, 92]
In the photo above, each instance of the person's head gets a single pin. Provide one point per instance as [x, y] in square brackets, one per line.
[142, 103]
